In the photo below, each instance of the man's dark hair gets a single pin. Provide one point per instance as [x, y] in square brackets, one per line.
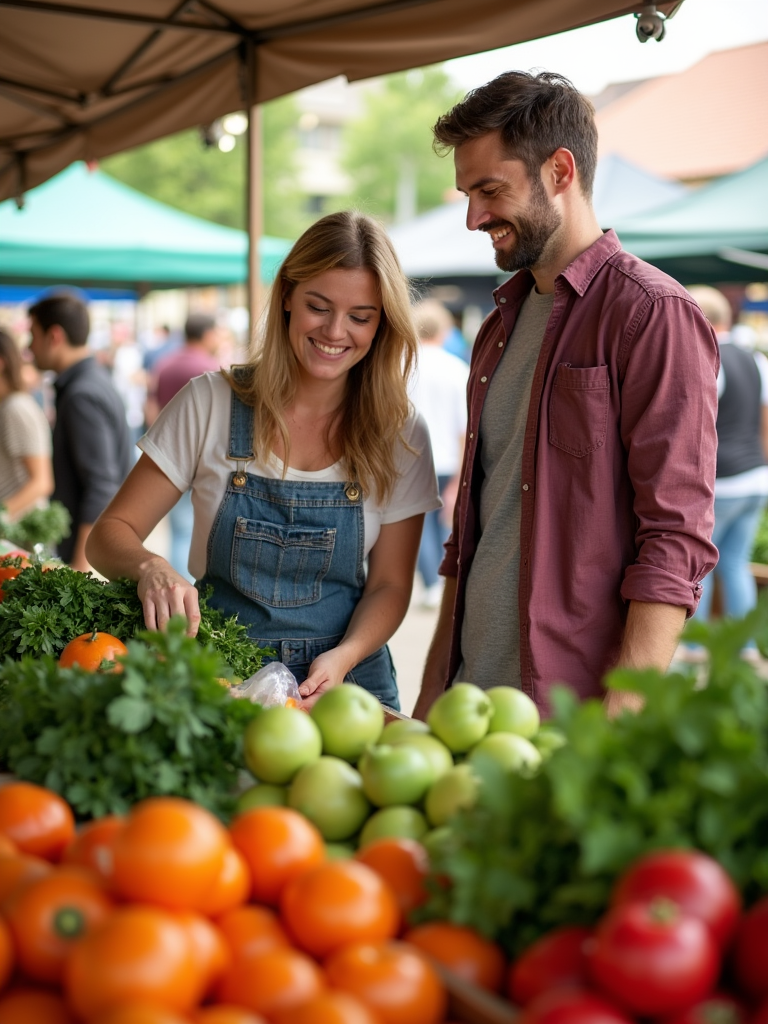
[198, 325]
[534, 114]
[65, 311]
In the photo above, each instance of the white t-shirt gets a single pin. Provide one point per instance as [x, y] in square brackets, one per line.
[438, 390]
[189, 442]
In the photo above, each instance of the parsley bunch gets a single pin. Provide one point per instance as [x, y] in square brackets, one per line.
[690, 770]
[46, 526]
[164, 726]
[44, 610]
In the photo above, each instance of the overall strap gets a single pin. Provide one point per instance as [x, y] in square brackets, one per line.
[241, 421]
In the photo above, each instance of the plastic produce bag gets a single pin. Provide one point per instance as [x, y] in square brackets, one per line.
[271, 685]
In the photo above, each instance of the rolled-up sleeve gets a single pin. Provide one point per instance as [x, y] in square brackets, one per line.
[669, 410]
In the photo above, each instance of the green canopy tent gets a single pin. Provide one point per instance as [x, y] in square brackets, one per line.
[717, 234]
[84, 228]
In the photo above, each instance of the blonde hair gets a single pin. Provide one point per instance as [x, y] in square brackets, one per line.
[432, 319]
[713, 304]
[376, 404]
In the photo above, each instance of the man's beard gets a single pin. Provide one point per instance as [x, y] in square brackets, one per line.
[533, 231]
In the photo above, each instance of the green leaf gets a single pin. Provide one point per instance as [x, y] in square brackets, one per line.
[129, 714]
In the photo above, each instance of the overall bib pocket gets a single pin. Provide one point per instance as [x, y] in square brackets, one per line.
[280, 566]
[578, 409]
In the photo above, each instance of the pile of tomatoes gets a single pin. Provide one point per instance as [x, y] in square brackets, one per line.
[167, 917]
[674, 947]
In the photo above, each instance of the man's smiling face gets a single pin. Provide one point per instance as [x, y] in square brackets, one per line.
[512, 207]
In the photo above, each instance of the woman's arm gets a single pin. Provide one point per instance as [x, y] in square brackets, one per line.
[381, 609]
[39, 484]
[115, 546]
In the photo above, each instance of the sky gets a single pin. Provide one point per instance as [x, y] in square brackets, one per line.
[597, 55]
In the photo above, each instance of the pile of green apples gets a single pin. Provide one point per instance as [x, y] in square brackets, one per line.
[358, 779]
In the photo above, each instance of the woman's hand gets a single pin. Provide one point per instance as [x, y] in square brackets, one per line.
[325, 672]
[164, 593]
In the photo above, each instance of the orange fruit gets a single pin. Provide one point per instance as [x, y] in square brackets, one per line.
[271, 982]
[223, 1014]
[330, 1007]
[251, 930]
[232, 887]
[37, 820]
[89, 650]
[404, 866]
[92, 845]
[278, 844]
[462, 950]
[33, 1006]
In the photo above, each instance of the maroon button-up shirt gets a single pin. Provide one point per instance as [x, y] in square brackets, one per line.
[618, 464]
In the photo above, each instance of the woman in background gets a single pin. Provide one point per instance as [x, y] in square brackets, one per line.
[26, 473]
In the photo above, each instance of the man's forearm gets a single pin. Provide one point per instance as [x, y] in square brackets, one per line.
[651, 635]
[436, 667]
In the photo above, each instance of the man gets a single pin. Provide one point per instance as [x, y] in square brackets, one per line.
[196, 356]
[91, 443]
[741, 486]
[582, 530]
[438, 390]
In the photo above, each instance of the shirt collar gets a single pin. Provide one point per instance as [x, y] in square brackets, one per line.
[71, 372]
[579, 273]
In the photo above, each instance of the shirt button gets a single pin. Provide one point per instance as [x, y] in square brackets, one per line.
[502, 299]
[483, 380]
[501, 344]
[471, 436]
[464, 484]
[525, 487]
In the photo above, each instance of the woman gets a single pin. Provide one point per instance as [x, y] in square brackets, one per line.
[302, 464]
[26, 474]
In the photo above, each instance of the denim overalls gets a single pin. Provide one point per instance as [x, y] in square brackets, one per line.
[286, 557]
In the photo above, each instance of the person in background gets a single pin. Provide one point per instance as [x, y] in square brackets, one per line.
[91, 442]
[583, 524]
[309, 469]
[196, 356]
[438, 390]
[741, 483]
[26, 473]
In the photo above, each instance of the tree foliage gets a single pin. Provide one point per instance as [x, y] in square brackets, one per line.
[181, 172]
[392, 141]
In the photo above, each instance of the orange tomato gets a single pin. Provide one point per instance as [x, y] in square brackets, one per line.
[463, 951]
[139, 1013]
[8, 572]
[232, 888]
[211, 952]
[33, 1006]
[170, 853]
[50, 914]
[92, 845]
[17, 872]
[337, 903]
[7, 847]
[403, 864]
[222, 1014]
[37, 820]
[7, 955]
[89, 650]
[393, 979]
[278, 844]
[328, 1008]
[138, 953]
[271, 982]
[250, 931]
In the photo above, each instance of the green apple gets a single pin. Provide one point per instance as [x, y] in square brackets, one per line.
[262, 795]
[511, 752]
[393, 732]
[398, 821]
[455, 791]
[339, 851]
[349, 718]
[394, 775]
[279, 742]
[513, 711]
[438, 755]
[329, 791]
[460, 717]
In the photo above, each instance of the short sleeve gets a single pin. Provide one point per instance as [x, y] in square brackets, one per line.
[174, 441]
[416, 491]
[25, 430]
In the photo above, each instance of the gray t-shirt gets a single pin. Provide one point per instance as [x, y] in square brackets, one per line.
[490, 643]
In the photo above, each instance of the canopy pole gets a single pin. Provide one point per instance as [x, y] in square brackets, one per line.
[255, 204]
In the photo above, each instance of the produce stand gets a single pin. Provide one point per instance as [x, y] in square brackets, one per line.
[472, 1005]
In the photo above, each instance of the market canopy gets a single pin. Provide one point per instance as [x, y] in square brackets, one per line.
[83, 227]
[718, 233]
[80, 81]
[438, 244]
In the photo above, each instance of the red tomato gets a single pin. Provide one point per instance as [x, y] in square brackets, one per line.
[717, 1009]
[571, 1006]
[761, 1017]
[653, 959]
[692, 880]
[749, 954]
[555, 960]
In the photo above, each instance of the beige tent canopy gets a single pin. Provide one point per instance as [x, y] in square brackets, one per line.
[83, 80]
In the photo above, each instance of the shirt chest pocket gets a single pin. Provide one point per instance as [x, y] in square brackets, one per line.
[280, 566]
[578, 408]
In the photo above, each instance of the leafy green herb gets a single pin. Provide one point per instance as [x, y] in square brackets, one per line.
[164, 726]
[45, 526]
[43, 610]
[691, 770]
